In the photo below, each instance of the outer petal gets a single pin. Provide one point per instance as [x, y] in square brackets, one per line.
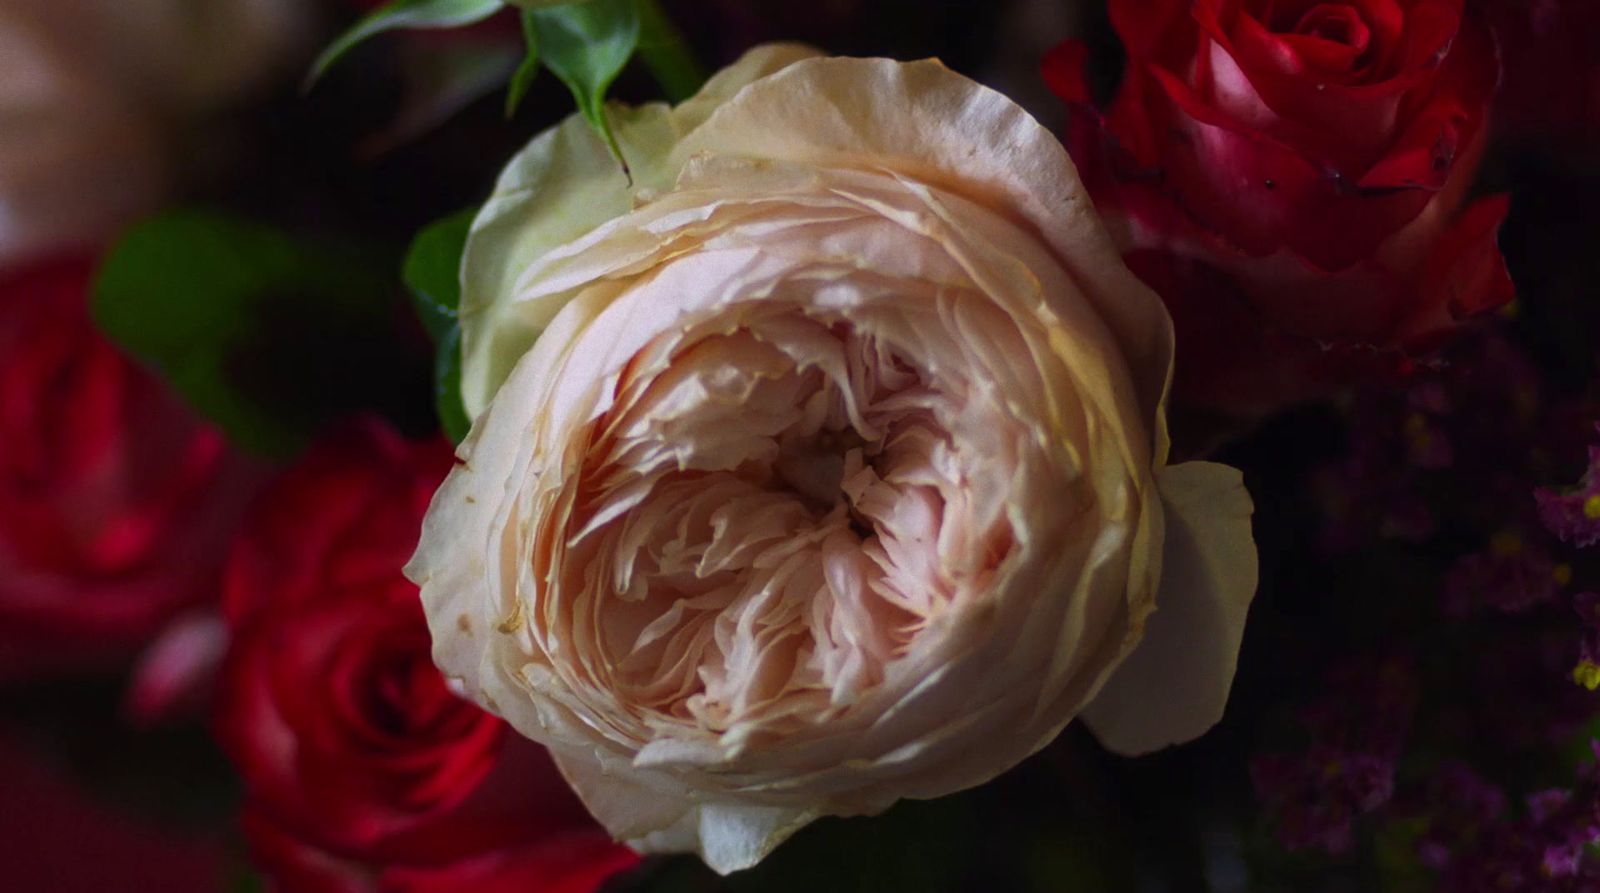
[558, 188]
[1174, 686]
[459, 588]
[564, 184]
[1466, 273]
[727, 836]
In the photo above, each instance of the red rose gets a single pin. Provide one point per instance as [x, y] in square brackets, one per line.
[1289, 174]
[116, 503]
[363, 772]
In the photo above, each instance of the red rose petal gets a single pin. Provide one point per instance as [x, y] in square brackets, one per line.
[1065, 71]
[1466, 274]
[1317, 213]
[1425, 154]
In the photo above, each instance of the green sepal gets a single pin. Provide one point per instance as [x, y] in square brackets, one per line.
[522, 79]
[586, 46]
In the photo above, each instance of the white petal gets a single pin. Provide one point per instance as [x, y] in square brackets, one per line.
[728, 836]
[1174, 686]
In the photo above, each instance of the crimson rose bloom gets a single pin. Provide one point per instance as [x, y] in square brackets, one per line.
[115, 501]
[1289, 175]
[363, 772]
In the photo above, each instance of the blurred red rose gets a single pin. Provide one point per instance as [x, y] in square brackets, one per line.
[116, 503]
[1290, 175]
[363, 772]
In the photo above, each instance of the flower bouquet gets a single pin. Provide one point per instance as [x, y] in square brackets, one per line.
[637, 445]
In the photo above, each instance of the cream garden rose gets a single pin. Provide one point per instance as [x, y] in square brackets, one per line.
[821, 466]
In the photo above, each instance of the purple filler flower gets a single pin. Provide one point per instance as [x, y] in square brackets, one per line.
[1573, 516]
[1357, 730]
[1515, 573]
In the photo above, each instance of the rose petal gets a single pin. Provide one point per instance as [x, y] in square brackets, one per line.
[1466, 274]
[1441, 135]
[729, 837]
[972, 140]
[1065, 71]
[1174, 686]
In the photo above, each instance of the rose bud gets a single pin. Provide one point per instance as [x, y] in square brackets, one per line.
[820, 464]
[116, 503]
[1290, 176]
[362, 771]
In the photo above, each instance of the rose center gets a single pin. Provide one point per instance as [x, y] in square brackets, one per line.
[814, 467]
[1336, 23]
[773, 515]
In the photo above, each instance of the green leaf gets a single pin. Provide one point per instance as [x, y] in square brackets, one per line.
[404, 14]
[216, 303]
[432, 272]
[587, 45]
[523, 78]
[175, 292]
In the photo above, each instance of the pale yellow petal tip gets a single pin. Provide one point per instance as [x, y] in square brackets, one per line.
[727, 838]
